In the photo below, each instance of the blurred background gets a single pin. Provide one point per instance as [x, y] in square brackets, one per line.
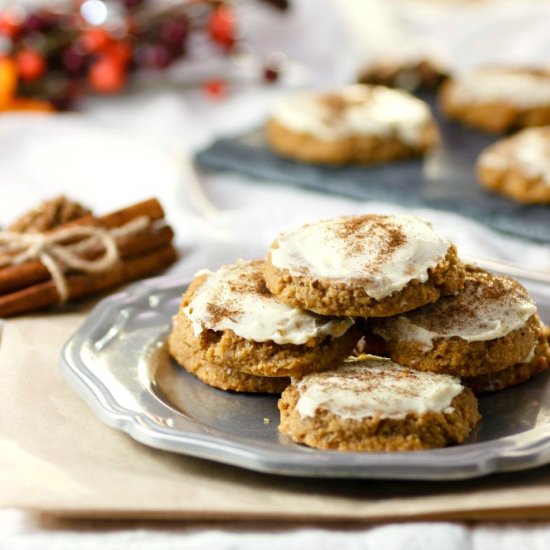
[65, 49]
[109, 100]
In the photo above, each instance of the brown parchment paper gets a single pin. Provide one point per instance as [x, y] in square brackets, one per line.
[57, 457]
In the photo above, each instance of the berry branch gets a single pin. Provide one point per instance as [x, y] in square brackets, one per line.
[49, 59]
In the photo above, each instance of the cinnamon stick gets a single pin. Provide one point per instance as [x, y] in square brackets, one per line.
[33, 272]
[150, 208]
[45, 294]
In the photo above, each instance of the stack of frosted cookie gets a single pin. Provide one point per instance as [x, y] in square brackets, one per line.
[290, 323]
[488, 334]
[233, 334]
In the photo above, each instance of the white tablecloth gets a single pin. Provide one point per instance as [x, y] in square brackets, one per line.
[23, 533]
[122, 149]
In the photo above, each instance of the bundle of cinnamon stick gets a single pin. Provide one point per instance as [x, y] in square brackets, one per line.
[29, 286]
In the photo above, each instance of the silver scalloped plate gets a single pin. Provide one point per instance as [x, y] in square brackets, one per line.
[117, 362]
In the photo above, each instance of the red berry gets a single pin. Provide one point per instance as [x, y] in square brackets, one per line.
[221, 26]
[271, 74]
[107, 75]
[9, 27]
[33, 23]
[42, 21]
[95, 40]
[31, 64]
[74, 62]
[216, 88]
[174, 32]
[121, 51]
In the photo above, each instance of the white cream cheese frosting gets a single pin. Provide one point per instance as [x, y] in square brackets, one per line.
[488, 307]
[529, 150]
[235, 298]
[357, 110]
[384, 252]
[375, 387]
[517, 87]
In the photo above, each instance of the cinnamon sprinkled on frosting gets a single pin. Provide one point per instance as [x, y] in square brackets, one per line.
[359, 109]
[488, 307]
[216, 314]
[375, 387]
[235, 298]
[384, 252]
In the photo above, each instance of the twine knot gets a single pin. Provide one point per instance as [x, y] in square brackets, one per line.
[58, 252]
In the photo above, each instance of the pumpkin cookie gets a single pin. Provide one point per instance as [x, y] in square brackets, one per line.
[377, 405]
[363, 266]
[497, 99]
[490, 325]
[224, 378]
[519, 166]
[361, 124]
[537, 361]
[230, 319]
[414, 74]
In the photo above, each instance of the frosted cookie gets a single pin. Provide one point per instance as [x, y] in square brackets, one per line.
[497, 99]
[363, 266]
[410, 74]
[490, 325]
[228, 318]
[538, 360]
[223, 378]
[360, 124]
[377, 405]
[519, 166]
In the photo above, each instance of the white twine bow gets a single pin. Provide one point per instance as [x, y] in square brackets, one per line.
[57, 256]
